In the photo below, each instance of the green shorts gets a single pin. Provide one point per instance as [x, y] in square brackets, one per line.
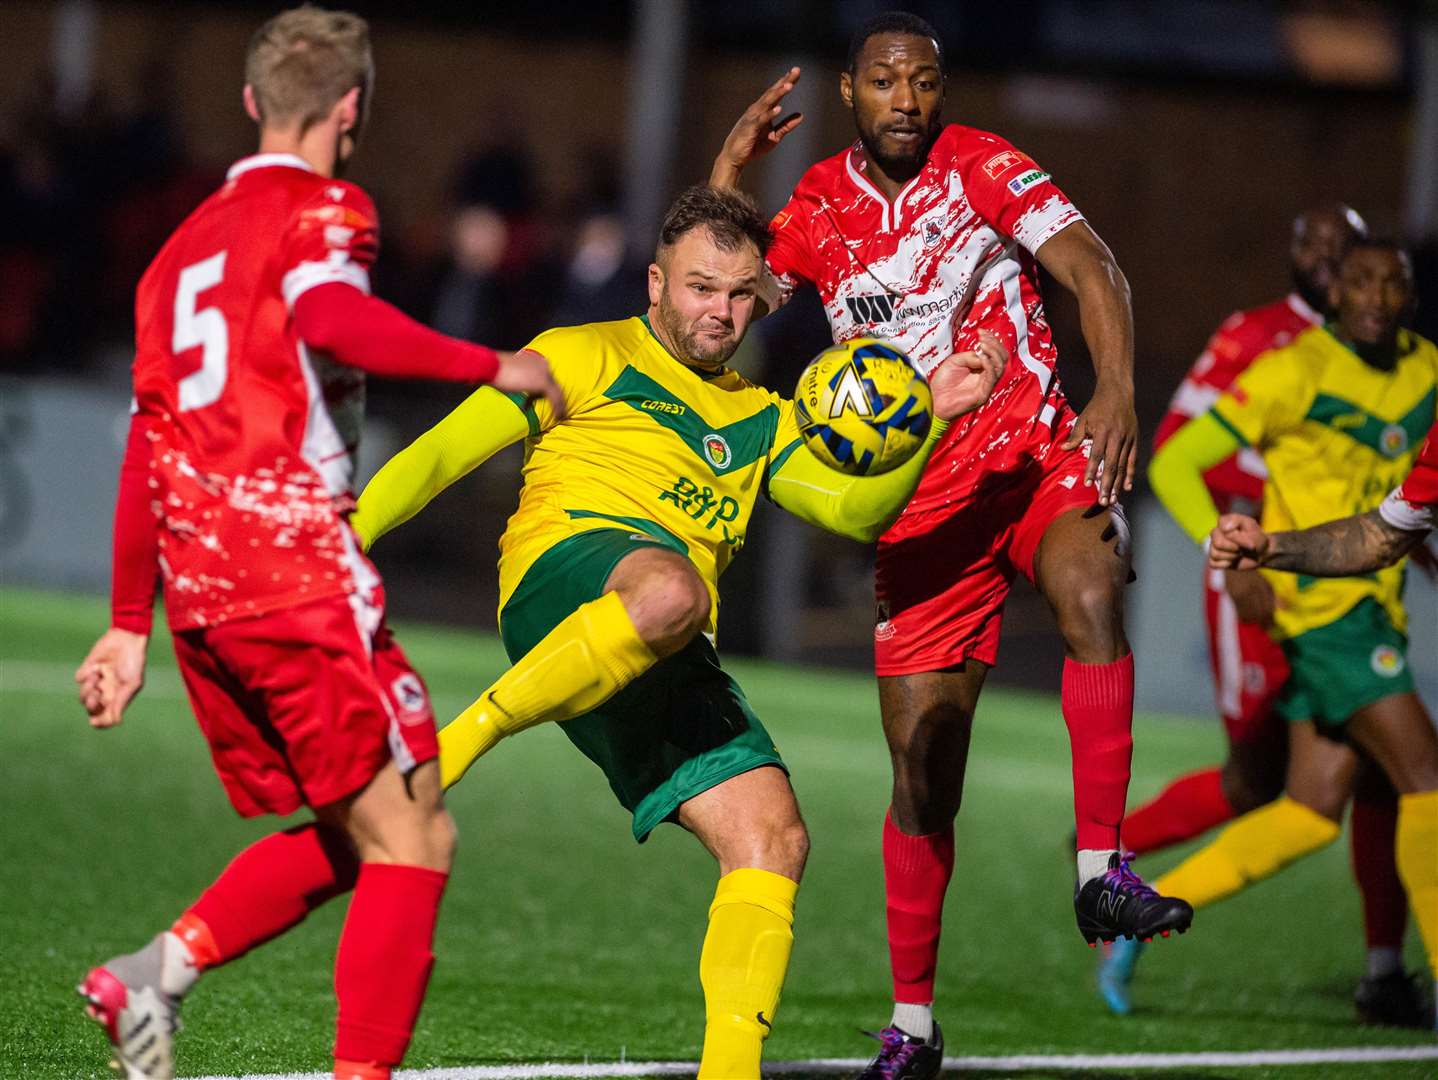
[680, 729]
[1342, 667]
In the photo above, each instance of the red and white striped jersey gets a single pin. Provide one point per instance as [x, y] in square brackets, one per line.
[952, 253]
[1413, 504]
[251, 436]
[1236, 484]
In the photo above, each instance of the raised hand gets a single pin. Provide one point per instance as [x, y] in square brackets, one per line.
[758, 131]
[1237, 543]
[527, 372]
[111, 675]
[964, 381]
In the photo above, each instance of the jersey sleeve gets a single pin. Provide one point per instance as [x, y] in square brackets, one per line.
[1265, 401]
[1413, 505]
[1013, 193]
[333, 236]
[859, 507]
[574, 355]
[789, 261]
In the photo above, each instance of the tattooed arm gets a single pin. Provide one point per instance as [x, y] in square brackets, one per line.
[1353, 545]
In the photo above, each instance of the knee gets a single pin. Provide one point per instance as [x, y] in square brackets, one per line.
[1089, 612]
[441, 838]
[780, 848]
[673, 607]
[788, 849]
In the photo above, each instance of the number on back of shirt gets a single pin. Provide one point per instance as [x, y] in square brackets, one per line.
[203, 327]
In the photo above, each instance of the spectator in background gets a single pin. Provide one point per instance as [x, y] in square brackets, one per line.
[602, 280]
[469, 303]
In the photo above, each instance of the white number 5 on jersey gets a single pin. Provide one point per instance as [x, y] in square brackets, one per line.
[204, 327]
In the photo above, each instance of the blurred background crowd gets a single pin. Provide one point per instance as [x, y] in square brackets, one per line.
[520, 156]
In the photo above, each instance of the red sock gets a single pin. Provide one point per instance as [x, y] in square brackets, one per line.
[1190, 805]
[268, 888]
[916, 876]
[384, 960]
[1385, 904]
[1098, 709]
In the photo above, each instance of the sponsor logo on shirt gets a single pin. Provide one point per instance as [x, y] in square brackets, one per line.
[878, 308]
[716, 449]
[1001, 163]
[671, 407]
[1019, 184]
[1386, 661]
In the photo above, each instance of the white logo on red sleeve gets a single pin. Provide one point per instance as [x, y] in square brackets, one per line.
[1001, 163]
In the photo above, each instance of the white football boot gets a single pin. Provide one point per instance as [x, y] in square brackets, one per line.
[126, 997]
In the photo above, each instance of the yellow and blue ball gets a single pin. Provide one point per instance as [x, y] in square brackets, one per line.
[862, 407]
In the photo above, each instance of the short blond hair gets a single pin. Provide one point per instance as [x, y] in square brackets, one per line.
[303, 61]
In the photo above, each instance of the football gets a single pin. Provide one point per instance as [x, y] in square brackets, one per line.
[862, 407]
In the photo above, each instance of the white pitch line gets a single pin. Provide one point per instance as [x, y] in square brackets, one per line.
[1355, 1055]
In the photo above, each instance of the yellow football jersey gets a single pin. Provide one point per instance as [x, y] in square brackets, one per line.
[649, 444]
[1336, 435]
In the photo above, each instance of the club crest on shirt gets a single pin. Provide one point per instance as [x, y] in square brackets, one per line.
[1394, 440]
[409, 692]
[716, 449]
[932, 233]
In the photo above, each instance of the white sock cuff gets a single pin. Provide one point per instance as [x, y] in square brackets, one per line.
[915, 1020]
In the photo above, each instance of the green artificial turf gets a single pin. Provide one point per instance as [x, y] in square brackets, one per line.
[562, 940]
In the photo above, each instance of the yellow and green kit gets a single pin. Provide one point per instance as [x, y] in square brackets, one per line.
[651, 453]
[1337, 434]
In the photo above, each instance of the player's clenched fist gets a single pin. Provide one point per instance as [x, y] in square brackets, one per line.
[965, 380]
[1237, 543]
[527, 372]
[111, 675]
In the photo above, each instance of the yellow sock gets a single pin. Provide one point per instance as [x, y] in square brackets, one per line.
[579, 665]
[746, 953]
[1257, 845]
[1416, 846]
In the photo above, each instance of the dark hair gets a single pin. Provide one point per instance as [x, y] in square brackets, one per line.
[1378, 243]
[892, 22]
[730, 216]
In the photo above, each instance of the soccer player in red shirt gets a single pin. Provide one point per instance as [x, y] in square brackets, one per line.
[1249, 667]
[922, 234]
[254, 328]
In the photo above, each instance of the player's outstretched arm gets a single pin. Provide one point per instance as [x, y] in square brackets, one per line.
[114, 670]
[859, 507]
[1083, 264]
[1361, 544]
[483, 424]
[1176, 473]
[760, 128]
[365, 332]
[862, 507]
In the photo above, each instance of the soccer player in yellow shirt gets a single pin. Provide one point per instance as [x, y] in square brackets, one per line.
[632, 506]
[1338, 415]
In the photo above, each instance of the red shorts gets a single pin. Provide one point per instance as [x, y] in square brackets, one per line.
[305, 705]
[1249, 668]
[942, 575]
